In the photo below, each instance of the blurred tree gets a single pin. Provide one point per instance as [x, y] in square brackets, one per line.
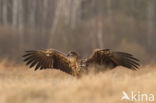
[80, 25]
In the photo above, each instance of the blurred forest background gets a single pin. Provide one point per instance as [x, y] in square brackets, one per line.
[79, 25]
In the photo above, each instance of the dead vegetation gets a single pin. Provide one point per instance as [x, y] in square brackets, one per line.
[22, 85]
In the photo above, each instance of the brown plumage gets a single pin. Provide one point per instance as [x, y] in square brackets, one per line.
[111, 59]
[44, 59]
[72, 62]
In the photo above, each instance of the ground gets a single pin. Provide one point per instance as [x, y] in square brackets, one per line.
[18, 84]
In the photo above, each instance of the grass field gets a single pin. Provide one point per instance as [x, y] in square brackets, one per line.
[18, 84]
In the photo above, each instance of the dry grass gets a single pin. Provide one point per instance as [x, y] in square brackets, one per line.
[18, 84]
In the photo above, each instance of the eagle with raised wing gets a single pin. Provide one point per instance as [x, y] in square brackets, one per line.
[73, 64]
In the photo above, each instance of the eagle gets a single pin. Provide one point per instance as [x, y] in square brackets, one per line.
[73, 64]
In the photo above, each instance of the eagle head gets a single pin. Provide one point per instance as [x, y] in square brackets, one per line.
[72, 54]
[107, 51]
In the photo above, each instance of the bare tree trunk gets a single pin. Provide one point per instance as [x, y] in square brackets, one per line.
[4, 12]
[44, 42]
[61, 13]
[32, 8]
[1, 12]
[93, 36]
[45, 9]
[151, 19]
[109, 8]
[75, 12]
[31, 20]
[20, 24]
[100, 31]
[20, 14]
[67, 13]
[15, 12]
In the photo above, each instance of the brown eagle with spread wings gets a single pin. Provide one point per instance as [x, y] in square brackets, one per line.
[73, 64]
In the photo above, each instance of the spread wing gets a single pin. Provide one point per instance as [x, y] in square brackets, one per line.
[112, 59]
[43, 59]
